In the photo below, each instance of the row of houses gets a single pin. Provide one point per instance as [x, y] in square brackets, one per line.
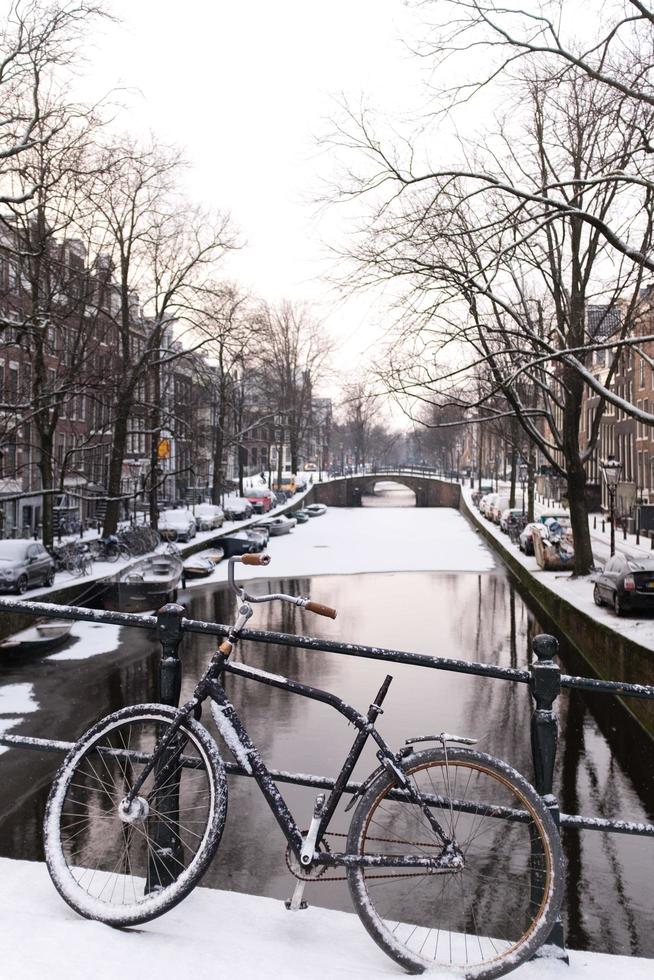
[59, 368]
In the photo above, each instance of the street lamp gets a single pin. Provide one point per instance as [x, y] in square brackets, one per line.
[523, 473]
[612, 469]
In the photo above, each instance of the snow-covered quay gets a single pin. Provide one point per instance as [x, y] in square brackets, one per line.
[215, 934]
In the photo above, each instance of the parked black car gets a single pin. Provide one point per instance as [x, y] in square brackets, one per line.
[626, 584]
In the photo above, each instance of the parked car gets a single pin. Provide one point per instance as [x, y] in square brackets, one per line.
[209, 516]
[508, 515]
[237, 508]
[562, 516]
[288, 483]
[497, 508]
[525, 541]
[177, 525]
[261, 500]
[24, 564]
[625, 584]
[487, 502]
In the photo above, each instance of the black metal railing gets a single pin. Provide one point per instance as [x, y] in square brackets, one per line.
[544, 679]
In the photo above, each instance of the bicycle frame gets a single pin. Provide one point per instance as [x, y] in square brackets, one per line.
[247, 755]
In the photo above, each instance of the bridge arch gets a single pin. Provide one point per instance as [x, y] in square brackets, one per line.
[347, 491]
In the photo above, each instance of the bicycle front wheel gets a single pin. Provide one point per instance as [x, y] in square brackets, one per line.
[127, 867]
[478, 922]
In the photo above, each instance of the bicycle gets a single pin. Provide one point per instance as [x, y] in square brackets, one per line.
[109, 549]
[451, 857]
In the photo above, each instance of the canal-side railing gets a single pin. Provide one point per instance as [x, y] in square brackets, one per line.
[544, 679]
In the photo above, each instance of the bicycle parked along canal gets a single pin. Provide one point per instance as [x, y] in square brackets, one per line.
[451, 857]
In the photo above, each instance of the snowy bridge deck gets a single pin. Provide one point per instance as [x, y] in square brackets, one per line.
[214, 934]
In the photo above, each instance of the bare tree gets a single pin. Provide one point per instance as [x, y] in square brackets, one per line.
[163, 251]
[503, 278]
[39, 45]
[293, 351]
[227, 331]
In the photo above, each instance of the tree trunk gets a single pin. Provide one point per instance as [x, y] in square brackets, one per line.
[218, 450]
[46, 471]
[579, 518]
[119, 442]
[514, 470]
[531, 486]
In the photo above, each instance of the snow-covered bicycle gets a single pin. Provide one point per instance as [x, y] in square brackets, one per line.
[452, 859]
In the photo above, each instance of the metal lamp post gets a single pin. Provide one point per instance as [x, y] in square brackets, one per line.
[612, 469]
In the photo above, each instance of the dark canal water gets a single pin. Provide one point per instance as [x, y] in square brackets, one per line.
[605, 766]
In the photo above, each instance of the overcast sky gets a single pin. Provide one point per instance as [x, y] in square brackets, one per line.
[248, 88]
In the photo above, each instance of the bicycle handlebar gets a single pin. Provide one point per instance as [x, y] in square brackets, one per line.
[264, 559]
[317, 607]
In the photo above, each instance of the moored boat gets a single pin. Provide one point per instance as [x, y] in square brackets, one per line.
[316, 510]
[44, 634]
[279, 525]
[239, 543]
[198, 566]
[215, 555]
[150, 581]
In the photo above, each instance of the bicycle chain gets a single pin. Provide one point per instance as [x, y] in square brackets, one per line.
[334, 833]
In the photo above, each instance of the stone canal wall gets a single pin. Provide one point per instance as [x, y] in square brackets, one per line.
[609, 655]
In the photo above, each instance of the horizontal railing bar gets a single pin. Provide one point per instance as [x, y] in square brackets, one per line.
[141, 621]
[51, 610]
[325, 782]
[358, 650]
[607, 687]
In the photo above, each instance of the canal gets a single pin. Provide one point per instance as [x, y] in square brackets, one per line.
[460, 605]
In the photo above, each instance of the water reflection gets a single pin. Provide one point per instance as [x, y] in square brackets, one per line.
[465, 615]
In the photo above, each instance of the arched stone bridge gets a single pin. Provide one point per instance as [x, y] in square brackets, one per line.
[347, 491]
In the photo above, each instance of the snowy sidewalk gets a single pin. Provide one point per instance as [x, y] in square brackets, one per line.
[215, 934]
[577, 591]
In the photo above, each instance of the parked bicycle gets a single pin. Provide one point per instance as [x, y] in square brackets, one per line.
[109, 549]
[73, 557]
[451, 857]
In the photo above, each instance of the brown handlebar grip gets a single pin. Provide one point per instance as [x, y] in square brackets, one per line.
[256, 559]
[317, 607]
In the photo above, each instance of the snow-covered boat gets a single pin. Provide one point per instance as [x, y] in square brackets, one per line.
[239, 543]
[44, 634]
[198, 566]
[316, 510]
[150, 581]
[215, 555]
[279, 525]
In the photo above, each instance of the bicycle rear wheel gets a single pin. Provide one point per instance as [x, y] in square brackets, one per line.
[479, 922]
[124, 869]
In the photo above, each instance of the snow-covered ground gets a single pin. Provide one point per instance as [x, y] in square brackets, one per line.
[577, 591]
[214, 934]
[372, 539]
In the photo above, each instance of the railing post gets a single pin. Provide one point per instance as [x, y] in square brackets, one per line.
[169, 631]
[545, 688]
[165, 849]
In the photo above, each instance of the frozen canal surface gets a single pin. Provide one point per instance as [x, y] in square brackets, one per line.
[458, 605]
